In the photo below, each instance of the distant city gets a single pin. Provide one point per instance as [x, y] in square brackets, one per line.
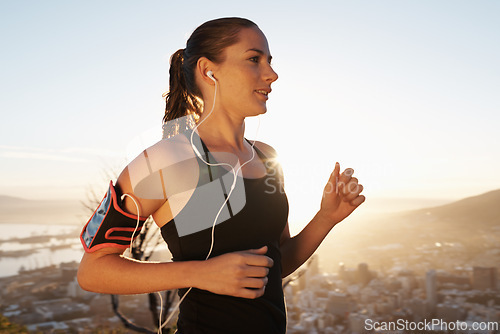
[427, 270]
[360, 300]
[352, 300]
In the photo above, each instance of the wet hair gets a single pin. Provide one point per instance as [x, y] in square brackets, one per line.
[208, 40]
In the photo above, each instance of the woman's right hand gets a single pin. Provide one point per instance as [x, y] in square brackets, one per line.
[239, 274]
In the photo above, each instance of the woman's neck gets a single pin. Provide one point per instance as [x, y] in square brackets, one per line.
[220, 130]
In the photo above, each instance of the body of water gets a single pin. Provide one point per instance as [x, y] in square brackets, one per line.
[32, 246]
[20, 247]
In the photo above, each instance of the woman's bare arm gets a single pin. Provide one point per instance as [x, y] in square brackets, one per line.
[297, 250]
[106, 271]
[341, 197]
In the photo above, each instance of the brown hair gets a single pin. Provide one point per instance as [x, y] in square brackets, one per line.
[208, 40]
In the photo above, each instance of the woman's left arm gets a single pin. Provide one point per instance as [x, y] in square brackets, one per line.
[341, 197]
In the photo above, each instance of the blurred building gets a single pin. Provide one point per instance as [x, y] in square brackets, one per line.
[485, 278]
[357, 322]
[450, 312]
[363, 276]
[340, 304]
[419, 308]
[431, 289]
[348, 275]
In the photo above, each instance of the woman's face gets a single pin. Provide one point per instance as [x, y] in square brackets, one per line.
[245, 76]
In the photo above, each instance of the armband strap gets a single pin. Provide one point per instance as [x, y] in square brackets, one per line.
[109, 225]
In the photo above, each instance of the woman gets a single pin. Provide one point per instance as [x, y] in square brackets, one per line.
[223, 76]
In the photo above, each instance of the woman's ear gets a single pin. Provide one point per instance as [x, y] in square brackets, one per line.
[203, 66]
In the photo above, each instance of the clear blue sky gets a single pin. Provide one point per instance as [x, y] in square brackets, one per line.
[405, 92]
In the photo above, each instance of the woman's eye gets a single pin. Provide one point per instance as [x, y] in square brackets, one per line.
[255, 59]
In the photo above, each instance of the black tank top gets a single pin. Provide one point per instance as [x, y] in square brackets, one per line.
[258, 223]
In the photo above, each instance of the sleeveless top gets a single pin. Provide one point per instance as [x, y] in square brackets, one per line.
[257, 223]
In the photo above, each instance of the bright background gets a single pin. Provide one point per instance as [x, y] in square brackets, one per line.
[405, 92]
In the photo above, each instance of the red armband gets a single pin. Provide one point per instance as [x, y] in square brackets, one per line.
[109, 225]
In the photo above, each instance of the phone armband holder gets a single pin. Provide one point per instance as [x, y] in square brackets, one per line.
[109, 225]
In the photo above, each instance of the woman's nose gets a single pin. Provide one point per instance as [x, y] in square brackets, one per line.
[271, 76]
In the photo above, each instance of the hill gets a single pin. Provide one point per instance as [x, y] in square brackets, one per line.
[20, 210]
[464, 232]
[4, 199]
[481, 210]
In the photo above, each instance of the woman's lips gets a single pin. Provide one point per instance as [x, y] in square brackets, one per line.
[263, 93]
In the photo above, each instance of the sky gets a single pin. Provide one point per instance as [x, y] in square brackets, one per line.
[404, 92]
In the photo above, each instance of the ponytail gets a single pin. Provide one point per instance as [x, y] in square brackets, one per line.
[208, 40]
[179, 100]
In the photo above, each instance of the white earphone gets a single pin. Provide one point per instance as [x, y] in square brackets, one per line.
[210, 74]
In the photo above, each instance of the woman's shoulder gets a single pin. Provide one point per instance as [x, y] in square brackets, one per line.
[166, 150]
[151, 174]
[272, 159]
[266, 149]
[163, 154]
